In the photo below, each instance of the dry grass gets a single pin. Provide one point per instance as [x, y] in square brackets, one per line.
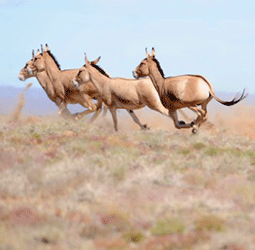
[68, 185]
[21, 102]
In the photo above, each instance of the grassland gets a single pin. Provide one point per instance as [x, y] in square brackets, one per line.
[69, 185]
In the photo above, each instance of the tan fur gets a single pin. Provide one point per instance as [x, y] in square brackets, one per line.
[121, 93]
[58, 85]
[42, 78]
[181, 91]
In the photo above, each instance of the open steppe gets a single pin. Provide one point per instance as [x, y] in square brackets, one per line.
[71, 185]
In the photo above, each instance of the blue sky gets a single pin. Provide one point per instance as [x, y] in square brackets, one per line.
[214, 38]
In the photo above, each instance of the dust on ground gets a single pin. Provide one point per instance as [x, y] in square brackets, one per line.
[238, 119]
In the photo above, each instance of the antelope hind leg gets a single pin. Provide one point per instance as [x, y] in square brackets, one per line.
[136, 120]
[99, 106]
[200, 114]
[78, 116]
[186, 117]
[95, 115]
[114, 117]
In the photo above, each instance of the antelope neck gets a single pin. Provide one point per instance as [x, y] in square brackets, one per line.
[97, 78]
[157, 80]
[46, 84]
[51, 67]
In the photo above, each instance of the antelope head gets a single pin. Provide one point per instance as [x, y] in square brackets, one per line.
[143, 69]
[83, 74]
[38, 64]
[25, 73]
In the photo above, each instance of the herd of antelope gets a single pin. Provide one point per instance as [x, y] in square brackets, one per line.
[150, 88]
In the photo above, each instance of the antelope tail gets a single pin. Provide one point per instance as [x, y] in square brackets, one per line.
[234, 101]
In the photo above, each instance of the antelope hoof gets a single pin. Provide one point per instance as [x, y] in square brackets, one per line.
[182, 123]
[145, 127]
[77, 116]
[194, 130]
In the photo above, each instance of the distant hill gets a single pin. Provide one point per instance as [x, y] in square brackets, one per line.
[37, 102]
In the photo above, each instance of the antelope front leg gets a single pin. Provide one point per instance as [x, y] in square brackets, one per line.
[92, 107]
[63, 111]
[97, 112]
[179, 124]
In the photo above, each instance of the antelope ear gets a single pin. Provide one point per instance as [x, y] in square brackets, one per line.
[148, 56]
[37, 53]
[86, 60]
[96, 61]
[42, 49]
[47, 48]
[153, 52]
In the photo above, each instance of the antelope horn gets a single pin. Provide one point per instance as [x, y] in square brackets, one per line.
[33, 54]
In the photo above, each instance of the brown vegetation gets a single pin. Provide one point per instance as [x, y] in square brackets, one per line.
[69, 185]
[21, 102]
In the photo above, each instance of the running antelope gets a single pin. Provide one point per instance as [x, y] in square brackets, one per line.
[181, 91]
[121, 93]
[46, 84]
[58, 87]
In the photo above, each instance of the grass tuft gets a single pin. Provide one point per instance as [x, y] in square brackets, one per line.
[212, 151]
[134, 236]
[210, 223]
[168, 226]
[199, 145]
